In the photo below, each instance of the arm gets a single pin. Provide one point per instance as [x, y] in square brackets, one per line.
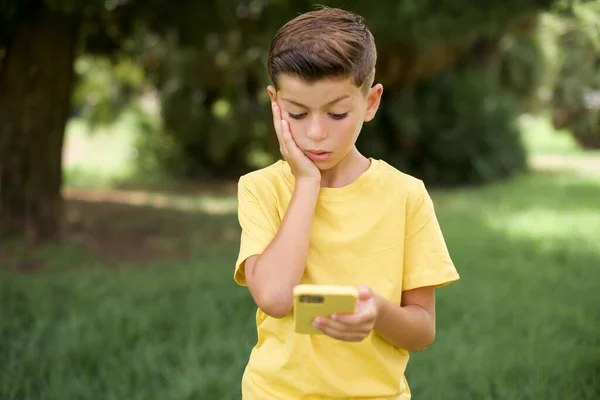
[427, 266]
[272, 275]
[411, 325]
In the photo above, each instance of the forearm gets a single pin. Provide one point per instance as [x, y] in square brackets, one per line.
[281, 266]
[409, 327]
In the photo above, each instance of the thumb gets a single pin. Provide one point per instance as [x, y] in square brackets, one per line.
[364, 293]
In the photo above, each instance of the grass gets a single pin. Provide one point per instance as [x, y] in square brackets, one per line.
[141, 304]
[526, 311]
[99, 157]
[539, 136]
[524, 314]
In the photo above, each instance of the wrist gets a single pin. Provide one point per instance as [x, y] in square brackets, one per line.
[385, 310]
[379, 307]
[313, 184]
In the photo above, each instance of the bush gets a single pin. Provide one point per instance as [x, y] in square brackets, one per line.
[206, 63]
[458, 127]
[575, 37]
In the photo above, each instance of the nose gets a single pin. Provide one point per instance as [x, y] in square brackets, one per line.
[316, 130]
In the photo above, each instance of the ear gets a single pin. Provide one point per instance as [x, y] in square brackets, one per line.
[272, 93]
[373, 100]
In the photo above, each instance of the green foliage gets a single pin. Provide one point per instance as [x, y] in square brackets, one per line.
[425, 24]
[214, 118]
[213, 96]
[12, 12]
[554, 67]
[87, 7]
[105, 88]
[523, 66]
[457, 127]
[216, 114]
[575, 35]
[207, 63]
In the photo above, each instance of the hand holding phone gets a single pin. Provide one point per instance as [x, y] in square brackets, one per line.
[350, 315]
[312, 301]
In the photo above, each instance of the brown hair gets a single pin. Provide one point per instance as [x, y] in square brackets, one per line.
[325, 43]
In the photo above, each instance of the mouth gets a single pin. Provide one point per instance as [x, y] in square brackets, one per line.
[317, 155]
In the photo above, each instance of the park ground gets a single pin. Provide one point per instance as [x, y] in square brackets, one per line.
[139, 302]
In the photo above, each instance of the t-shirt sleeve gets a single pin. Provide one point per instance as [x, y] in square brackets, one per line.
[427, 261]
[259, 222]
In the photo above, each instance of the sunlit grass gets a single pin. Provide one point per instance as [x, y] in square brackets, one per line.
[545, 223]
[525, 312]
[99, 157]
[539, 136]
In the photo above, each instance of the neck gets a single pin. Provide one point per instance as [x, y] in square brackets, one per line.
[346, 171]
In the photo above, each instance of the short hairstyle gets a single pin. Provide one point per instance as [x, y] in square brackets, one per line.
[324, 43]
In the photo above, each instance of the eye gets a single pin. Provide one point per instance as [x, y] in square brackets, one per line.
[297, 116]
[339, 116]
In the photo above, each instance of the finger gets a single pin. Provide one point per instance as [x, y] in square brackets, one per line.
[278, 129]
[276, 119]
[342, 328]
[364, 293]
[284, 141]
[343, 335]
[353, 319]
[276, 115]
[364, 315]
[288, 140]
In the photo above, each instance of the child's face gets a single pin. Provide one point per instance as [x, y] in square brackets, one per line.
[325, 116]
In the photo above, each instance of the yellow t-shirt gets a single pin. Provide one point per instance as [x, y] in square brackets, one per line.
[381, 231]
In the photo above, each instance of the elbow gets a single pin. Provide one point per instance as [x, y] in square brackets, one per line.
[275, 304]
[277, 311]
[423, 344]
[271, 298]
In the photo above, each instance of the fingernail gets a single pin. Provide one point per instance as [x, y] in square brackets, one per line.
[333, 316]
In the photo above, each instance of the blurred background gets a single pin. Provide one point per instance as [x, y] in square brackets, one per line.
[124, 126]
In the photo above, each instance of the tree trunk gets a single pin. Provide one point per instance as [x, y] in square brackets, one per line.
[35, 86]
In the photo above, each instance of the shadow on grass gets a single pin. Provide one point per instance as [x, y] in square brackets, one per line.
[524, 314]
[114, 228]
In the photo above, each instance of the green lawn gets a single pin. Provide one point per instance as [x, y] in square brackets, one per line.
[521, 324]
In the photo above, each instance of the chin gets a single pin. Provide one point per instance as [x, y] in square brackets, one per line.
[326, 165]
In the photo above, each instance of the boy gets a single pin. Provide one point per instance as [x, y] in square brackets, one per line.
[329, 215]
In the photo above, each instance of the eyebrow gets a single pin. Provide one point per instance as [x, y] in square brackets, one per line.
[328, 104]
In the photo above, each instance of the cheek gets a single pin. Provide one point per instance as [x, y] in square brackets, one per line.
[296, 127]
[348, 128]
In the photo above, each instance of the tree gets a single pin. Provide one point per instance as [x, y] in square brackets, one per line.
[39, 41]
[211, 77]
[36, 77]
